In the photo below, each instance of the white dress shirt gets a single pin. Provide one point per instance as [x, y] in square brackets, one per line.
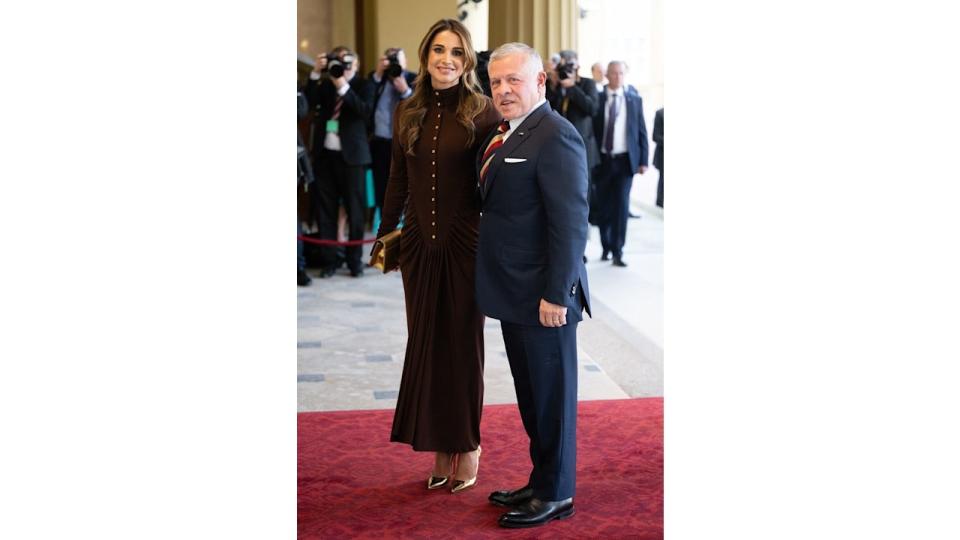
[620, 125]
[332, 140]
[519, 120]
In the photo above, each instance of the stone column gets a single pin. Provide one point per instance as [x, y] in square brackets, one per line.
[475, 15]
[322, 25]
[546, 25]
[392, 23]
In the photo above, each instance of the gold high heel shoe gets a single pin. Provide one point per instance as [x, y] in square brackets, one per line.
[462, 485]
[436, 482]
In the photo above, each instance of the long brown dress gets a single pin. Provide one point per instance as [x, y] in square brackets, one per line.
[441, 389]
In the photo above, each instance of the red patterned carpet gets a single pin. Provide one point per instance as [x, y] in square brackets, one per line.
[353, 483]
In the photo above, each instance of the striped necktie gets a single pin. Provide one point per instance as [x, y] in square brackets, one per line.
[336, 108]
[495, 143]
[611, 122]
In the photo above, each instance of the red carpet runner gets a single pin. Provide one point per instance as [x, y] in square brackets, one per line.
[353, 483]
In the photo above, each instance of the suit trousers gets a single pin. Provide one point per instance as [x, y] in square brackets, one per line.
[614, 181]
[543, 362]
[301, 261]
[336, 183]
[660, 190]
[380, 150]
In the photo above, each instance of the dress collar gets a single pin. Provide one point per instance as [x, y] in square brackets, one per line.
[447, 97]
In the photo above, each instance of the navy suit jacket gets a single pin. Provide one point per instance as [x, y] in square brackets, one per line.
[638, 147]
[533, 226]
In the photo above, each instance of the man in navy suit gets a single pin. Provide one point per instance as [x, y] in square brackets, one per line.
[622, 133]
[532, 174]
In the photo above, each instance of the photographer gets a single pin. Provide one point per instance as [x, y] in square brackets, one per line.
[576, 99]
[393, 84]
[343, 103]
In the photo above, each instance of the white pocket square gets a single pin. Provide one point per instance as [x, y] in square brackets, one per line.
[514, 160]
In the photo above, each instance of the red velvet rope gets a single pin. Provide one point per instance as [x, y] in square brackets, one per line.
[334, 242]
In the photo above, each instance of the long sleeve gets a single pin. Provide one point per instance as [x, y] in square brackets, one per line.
[360, 99]
[312, 93]
[644, 141]
[397, 184]
[658, 127]
[658, 138]
[584, 96]
[562, 174]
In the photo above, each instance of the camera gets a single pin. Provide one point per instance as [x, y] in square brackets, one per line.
[394, 69]
[565, 71]
[336, 66]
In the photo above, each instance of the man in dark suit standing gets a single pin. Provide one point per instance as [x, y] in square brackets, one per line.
[532, 176]
[622, 132]
[576, 99]
[344, 103]
[658, 153]
[393, 84]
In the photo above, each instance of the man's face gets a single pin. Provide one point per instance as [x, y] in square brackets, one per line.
[615, 76]
[515, 85]
[597, 70]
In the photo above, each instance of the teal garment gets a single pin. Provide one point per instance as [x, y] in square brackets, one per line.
[370, 191]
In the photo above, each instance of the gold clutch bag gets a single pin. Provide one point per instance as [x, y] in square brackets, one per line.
[387, 249]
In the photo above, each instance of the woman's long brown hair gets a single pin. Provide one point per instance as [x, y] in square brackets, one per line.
[412, 111]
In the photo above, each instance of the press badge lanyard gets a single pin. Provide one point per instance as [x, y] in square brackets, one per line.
[333, 124]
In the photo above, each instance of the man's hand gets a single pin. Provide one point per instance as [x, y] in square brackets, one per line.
[382, 66]
[642, 169]
[374, 252]
[400, 83]
[552, 315]
[552, 78]
[340, 82]
[569, 82]
[321, 63]
[349, 73]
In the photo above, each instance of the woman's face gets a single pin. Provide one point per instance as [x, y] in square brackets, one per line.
[445, 60]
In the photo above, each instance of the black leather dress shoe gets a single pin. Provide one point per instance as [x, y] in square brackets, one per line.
[617, 261]
[302, 278]
[536, 512]
[511, 498]
[605, 256]
[327, 272]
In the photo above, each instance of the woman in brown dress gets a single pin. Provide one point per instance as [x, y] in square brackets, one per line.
[437, 133]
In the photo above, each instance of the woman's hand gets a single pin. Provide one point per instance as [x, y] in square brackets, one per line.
[376, 251]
